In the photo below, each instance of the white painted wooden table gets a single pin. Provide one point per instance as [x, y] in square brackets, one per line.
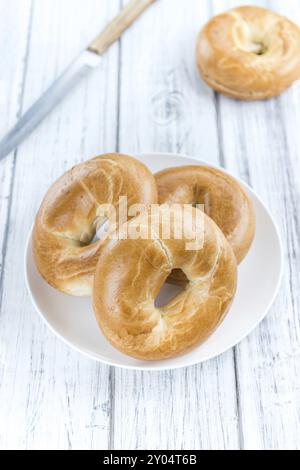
[146, 96]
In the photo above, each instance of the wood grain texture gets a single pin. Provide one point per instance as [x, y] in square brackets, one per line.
[54, 397]
[115, 28]
[146, 96]
[14, 34]
[260, 144]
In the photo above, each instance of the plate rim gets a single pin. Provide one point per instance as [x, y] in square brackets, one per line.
[158, 368]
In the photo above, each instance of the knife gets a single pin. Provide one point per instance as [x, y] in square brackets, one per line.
[86, 61]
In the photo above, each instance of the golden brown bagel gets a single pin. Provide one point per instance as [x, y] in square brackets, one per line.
[130, 273]
[66, 222]
[249, 53]
[224, 200]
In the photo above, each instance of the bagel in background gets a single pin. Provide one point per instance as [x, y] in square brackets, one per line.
[131, 272]
[249, 53]
[224, 200]
[67, 220]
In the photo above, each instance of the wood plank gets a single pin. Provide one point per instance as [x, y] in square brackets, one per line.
[54, 397]
[261, 144]
[192, 408]
[165, 107]
[14, 37]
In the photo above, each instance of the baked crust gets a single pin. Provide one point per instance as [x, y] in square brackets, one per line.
[249, 53]
[224, 200]
[66, 221]
[130, 273]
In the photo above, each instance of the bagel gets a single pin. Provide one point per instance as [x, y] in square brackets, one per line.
[68, 217]
[130, 273]
[249, 53]
[223, 198]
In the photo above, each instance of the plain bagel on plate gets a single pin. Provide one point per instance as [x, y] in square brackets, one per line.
[249, 53]
[222, 197]
[130, 273]
[65, 226]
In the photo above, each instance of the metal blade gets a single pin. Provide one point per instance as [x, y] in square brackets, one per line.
[78, 69]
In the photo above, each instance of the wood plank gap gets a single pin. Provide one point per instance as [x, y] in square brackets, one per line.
[238, 401]
[112, 408]
[119, 95]
[219, 129]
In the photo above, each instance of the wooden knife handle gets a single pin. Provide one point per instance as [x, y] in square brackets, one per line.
[132, 10]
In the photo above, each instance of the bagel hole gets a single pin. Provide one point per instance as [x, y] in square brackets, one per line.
[259, 48]
[100, 229]
[168, 292]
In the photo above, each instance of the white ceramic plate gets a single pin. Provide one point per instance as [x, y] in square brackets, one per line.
[72, 318]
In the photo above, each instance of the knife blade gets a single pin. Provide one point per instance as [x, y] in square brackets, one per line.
[74, 73]
[85, 62]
